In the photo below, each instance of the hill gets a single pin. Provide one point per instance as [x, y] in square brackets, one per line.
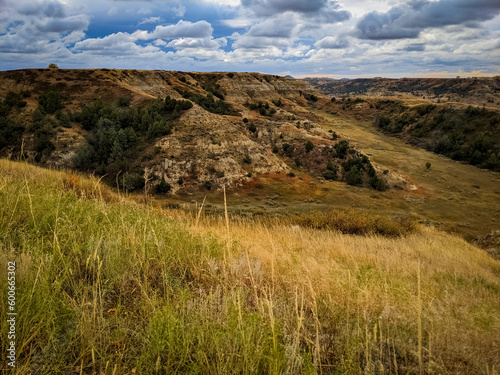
[193, 130]
[471, 91]
[279, 147]
[106, 285]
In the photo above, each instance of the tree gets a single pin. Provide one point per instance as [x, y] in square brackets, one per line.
[354, 176]
[53, 66]
[309, 146]
[163, 187]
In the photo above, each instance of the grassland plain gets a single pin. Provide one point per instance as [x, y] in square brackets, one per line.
[108, 286]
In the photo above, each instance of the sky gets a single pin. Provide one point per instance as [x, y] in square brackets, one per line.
[357, 38]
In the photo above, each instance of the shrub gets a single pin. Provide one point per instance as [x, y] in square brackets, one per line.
[354, 176]
[341, 149]
[428, 165]
[51, 101]
[252, 128]
[309, 146]
[330, 175]
[163, 187]
[133, 181]
[208, 185]
[124, 101]
[378, 183]
[247, 159]
[288, 149]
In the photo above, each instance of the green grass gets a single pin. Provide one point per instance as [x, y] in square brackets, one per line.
[105, 285]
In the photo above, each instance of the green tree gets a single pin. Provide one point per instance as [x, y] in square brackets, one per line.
[309, 146]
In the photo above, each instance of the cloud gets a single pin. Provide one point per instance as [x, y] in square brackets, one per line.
[407, 21]
[114, 44]
[183, 29]
[41, 27]
[279, 27]
[151, 20]
[272, 32]
[331, 42]
[269, 7]
[60, 25]
[327, 10]
[179, 11]
[416, 47]
[203, 43]
[52, 9]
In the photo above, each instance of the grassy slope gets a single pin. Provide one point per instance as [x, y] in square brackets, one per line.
[108, 286]
[446, 191]
[451, 195]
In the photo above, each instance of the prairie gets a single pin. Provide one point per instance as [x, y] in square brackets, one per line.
[107, 285]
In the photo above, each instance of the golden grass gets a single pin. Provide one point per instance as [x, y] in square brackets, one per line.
[127, 287]
[430, 288]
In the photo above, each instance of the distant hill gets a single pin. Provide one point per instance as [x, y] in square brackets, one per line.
[476, 91]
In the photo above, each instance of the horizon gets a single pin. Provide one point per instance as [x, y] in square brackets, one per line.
[319, 38]
[306, 76]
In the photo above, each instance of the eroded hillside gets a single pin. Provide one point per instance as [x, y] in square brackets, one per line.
[192, 130]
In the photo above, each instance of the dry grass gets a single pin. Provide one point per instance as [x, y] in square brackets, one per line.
[116, 288]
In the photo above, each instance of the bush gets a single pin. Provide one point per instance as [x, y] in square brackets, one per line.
[341, 149]
[288, 149]
[330, 175]
[378, 183]
[51, 101]
[354, 176]
[124, 101]
[252, 128]
[247, 159]
[163, 187]
[428, 165]
[309, 146]
[133, 181]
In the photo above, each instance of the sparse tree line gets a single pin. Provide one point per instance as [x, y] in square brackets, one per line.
[117, 133]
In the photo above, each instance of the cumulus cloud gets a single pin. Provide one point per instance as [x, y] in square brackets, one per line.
[269, 7]
[41, 27]
[272, 32]
[114, 44]
[279, 27]
[183, 29]
[407, 21]
[331, 42]
[327, 10]
[204, 43]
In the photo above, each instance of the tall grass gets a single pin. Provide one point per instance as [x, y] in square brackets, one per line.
[109, 286]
